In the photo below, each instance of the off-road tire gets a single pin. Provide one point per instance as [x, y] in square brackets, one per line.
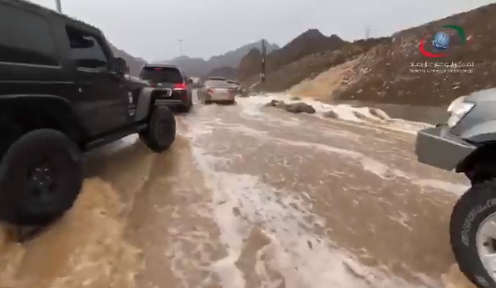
[468, 214]
[20, 203]
[161, 130]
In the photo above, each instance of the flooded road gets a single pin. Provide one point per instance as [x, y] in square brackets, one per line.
[250, 196]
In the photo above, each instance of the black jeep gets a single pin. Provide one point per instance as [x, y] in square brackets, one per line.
[62, 93]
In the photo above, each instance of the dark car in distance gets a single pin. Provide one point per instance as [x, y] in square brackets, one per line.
[163, 76]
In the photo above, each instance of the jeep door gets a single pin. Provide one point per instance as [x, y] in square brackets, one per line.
[104, 101]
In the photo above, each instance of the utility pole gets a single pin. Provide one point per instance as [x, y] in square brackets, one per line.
[264, 64]
[180, 41]
[59, 5]
[367, 32]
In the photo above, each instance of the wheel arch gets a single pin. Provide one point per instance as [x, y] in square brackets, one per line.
[144, 105]
[480, 164]
[29, 112]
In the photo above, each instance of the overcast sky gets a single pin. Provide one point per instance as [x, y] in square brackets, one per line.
[151, 28]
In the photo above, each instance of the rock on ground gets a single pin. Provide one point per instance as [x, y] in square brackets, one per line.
[330, 114]
[298, 107]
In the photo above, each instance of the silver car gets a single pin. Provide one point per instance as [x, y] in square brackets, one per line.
[217, 91]
[236, 84]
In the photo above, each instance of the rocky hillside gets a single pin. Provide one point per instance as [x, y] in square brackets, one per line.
[332, 52]
[134, 63]
[201, 67]
[384, 73]
[250, 65]
[308, 43]
[380, 70]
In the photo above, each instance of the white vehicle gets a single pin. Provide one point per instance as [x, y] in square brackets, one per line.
[239, 89]
[466, 143]
[217, 91]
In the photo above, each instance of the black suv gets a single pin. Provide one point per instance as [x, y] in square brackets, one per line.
[163, 76]
[62, 93]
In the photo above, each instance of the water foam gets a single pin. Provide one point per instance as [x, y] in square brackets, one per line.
[252, 106]
[302, 258]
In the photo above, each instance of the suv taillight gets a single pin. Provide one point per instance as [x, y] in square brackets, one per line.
[180, 86]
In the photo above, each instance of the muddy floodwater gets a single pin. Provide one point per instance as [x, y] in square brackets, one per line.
[250, 196]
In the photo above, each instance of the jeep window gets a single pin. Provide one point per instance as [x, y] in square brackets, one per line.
[86, 50]
[25, 37]
[161, 74]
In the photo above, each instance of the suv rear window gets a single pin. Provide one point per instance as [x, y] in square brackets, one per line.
[162, 74]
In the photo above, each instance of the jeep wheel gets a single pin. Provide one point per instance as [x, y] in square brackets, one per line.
[161, 131]
[473, 233]
[40, 178]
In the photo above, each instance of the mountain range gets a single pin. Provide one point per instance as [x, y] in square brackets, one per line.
[309, 42]
[223, 65]
[202, 68]
[134, 63]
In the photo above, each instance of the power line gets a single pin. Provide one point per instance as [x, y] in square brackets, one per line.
[180, 42]
[264, 59]
[367, 32]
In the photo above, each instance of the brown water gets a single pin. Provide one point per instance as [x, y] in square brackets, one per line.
[250, 197]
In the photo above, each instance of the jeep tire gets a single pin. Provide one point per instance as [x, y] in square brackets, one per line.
[161, 130]
[472, 210]
[40, 178]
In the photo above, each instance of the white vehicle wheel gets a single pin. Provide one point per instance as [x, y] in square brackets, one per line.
[473, 233]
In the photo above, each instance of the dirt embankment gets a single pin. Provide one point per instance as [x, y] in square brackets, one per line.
[304, 57]
[390, 79]
[379, 70]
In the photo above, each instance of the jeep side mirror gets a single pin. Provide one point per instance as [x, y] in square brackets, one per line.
[118, 66]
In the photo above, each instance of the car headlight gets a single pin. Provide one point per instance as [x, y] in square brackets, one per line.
[457, 110]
